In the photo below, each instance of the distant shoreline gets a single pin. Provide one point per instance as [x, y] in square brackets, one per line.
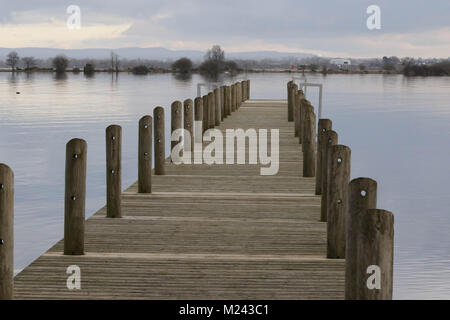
[197, 72]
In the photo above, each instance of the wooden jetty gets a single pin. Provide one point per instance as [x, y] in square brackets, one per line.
[221, 231]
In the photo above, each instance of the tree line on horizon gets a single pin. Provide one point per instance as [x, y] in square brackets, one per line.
[215, 63]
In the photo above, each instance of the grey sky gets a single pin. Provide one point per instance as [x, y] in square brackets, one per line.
[332, 28]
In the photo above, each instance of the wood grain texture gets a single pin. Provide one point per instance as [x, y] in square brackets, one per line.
[113, 137]
[6, 232]
[159, 144]
[145, 147]
[75, 197]
[206, 232]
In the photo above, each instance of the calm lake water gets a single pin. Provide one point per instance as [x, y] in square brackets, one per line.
[398, 130]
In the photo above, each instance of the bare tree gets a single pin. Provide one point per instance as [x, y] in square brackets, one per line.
[29, 62]
[215, 53]
[12, 60]
[60, 63]
[115, 63]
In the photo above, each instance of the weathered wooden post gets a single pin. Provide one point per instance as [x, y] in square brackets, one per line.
[205, 113]
[248, 89]
[217, 102]
[375, 254]
[211, 110]
[188, 119]
[289, 96]
[288, 86]
[175, 121]
[113, 171]
[291, 101]
[324, 125]
[75, 197]
[6, 232]
[198, 117]
[298, 97]
[309, 142]
[227, 105]
[233, 98]
[239, 94]
[160, 150]
[236, 97]
[339, 177]
[362, 195]
[330, 139]
[145, 155]
[303, 102]
[222, 103]
[244, 90]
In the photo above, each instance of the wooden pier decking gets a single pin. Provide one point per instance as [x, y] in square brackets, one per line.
[206, 232]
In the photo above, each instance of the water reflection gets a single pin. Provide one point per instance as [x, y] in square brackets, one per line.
[89, 75]
[183, 76]
[60, 76]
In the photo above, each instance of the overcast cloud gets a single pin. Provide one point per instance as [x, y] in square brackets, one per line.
[331, 28]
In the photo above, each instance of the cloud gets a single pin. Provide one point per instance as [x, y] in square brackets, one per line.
[331, 28]
[54, 33]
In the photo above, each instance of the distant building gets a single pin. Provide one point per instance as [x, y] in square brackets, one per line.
[341, 63]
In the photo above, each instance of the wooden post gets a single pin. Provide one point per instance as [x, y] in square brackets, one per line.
[188, 118]
[244, 91]
[160, 150]
[339, 168]
[145, 155]
[309, 143]
[302, 103]
[375, 255]
[288, 86]
[211, 110]
[233, 93]
[198, 117]
[113, 171]
[239, 94]
[362, 195]
[289, 96]
[236, 97]
[248, 89]
[222, 103]
[75, 197]
[227, 101]
[205, 113]
[324, 125]
[217, 101]
[291, 101]
[298, 97]
[6, 232]
[330, 139]
[175, 121]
